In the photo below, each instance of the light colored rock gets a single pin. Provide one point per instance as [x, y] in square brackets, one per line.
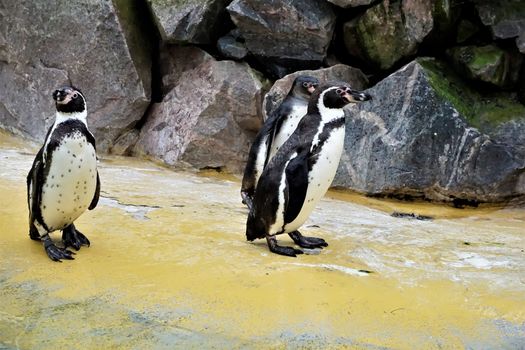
[210, 116]
[92, 45]
[350, 3]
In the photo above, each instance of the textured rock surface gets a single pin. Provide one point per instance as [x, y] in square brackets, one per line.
[411, 140]
[86, 44]
[488, 63]
[506, 19]
[351, 3]
[296, 30]
[188, 21]
[230, 47]
[209, 118]
[340, 72]
[389, 31]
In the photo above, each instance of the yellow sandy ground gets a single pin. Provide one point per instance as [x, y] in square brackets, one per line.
[169, 268]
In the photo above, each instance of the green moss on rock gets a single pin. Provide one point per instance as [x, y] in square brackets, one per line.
[483, 111]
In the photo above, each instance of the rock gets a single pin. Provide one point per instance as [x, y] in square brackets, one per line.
[100, 47]
[488, 63]
[425, 134]
[340, 72]
[505, 18]
[298, 32]
[189, 21]
[351, 3]
[390, 31]
[229, 47]
[466, 30]
[210, 116]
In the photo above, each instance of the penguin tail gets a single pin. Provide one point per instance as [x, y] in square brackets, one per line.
[254, 228]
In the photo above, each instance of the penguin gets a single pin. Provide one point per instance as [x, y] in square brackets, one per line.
[302, 170]
[281, 123]
[63, 181]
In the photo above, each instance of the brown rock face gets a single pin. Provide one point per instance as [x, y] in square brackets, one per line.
[209, 118]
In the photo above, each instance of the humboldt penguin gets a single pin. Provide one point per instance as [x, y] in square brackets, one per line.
[302, 170]
[63, 181]
[280, 124]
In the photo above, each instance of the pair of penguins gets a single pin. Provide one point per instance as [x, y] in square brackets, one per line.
[291, 165]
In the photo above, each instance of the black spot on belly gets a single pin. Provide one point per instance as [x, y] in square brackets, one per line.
[68, 170]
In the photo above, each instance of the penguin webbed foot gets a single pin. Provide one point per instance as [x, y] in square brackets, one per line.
[55, 253]
[275, 248]
[307, 242]
[71, 237]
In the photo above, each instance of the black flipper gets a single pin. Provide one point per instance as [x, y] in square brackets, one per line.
[34, 193]
[263, 141]
[94, 202]
[296, 185]
[71, 237]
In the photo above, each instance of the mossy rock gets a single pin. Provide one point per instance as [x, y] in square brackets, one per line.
[483, 111]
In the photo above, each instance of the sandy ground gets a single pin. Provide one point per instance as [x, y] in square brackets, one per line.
[169, 267]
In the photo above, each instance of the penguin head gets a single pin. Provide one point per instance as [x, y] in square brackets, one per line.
[69, 99]
[303, 86]
[339, 95]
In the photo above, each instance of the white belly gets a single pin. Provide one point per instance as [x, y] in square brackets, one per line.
[321, 176]
[70, 185]
[287, 128]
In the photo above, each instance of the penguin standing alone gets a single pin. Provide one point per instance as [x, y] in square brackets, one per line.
[281, 123]
[301, 172]
[63, 181]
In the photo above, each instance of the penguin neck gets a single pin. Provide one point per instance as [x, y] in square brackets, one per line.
[63, 116]
[329, 114]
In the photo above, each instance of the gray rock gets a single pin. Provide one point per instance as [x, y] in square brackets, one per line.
[506, 19]
[351, 3]
[92, 45]
[488, 63]
[390, 31]
[231, 48]
[209, 118]
[340, 72]
[295, 30]
[188, 21]
[423, 135]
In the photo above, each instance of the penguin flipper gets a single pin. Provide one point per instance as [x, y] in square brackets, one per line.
[94, 202]
[296, 185]
[34, 193]
[259, 156]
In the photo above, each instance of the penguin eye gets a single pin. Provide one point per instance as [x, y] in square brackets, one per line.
[339, 91]
[305, 85]
[75, 95]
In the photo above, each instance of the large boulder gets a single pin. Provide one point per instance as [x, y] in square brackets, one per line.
[390, 31]
[296, 33]
[339, 72]
[506, 19]
[97, 46]
[210, 116]
[189, 21]
[487, 63]
[425, 134]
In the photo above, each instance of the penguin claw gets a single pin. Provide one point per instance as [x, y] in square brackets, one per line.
[56, 254]
[277, 249]
[71, 237]
[307, 242]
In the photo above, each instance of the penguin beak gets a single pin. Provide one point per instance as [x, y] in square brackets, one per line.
[353, 96]
[59, 96]
[311, 88]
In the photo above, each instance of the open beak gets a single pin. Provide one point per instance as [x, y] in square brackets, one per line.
[311, 88]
